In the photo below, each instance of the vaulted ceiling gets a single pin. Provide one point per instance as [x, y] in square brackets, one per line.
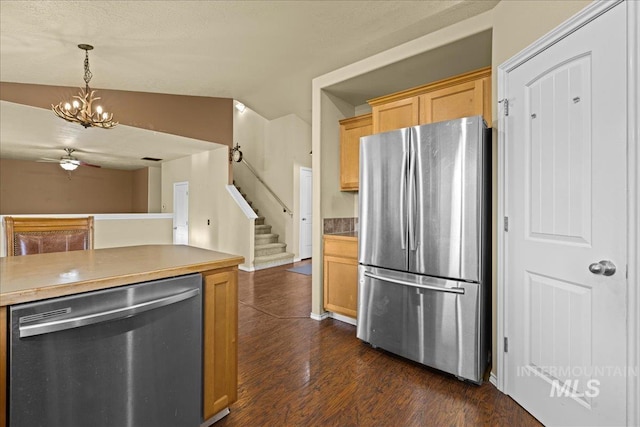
[263, 53]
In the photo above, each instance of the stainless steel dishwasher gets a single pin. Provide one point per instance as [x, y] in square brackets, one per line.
[126, 356]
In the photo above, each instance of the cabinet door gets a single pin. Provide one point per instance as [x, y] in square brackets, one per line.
[462, 100]
[220, 365]
[350, 132]
[341, 276]
[396, 115]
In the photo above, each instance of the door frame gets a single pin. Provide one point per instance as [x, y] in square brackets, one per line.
[300, 190]
[173, 197]
[589, 13]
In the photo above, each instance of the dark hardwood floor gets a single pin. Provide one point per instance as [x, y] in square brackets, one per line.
[295, 371]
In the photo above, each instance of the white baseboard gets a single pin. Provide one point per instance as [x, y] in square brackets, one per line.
[297, 259]
[493, 379]
[242, 267]
[319, 317]
[342, 318]
[217, 417]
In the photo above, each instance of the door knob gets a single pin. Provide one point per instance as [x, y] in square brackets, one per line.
[604, 267]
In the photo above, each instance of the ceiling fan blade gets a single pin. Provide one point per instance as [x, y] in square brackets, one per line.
[46, 160]
[89, 164]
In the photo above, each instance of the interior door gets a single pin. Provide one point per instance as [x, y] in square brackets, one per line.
[566, 206]
[180, 213]
[306, 212]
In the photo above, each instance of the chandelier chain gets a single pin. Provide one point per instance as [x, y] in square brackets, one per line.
[87, 72]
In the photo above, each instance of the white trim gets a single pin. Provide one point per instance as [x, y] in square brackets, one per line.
[297, 259]
[98, 217]
[493, 380]
[243, 267]
[319, 317]
[501, 330]
[588, 14]
[342, 318]
[300, 190]
[241, 202]
[633, 201]
[217, 417]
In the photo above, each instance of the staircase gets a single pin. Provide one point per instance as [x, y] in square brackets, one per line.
[269, 252]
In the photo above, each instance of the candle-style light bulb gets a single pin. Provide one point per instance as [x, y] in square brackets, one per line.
[76, 104]
[99, 109]
[67, 106]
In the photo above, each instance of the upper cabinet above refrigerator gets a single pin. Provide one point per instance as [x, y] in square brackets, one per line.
[464, 95]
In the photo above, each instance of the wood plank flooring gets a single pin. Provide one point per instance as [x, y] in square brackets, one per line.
[295, 371]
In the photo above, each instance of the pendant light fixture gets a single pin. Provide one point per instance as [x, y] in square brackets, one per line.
[81, 109]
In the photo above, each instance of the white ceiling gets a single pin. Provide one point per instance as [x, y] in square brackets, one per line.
[263, 53]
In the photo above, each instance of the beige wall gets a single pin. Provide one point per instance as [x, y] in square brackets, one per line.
[335, 203]
[154, 195]
[276, 149]
[35, 187]
[216, 222]
[140, 191]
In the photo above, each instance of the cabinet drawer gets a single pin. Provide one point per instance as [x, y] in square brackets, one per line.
[345, 248]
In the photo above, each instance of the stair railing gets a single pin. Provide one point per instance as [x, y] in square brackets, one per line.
[253, 171]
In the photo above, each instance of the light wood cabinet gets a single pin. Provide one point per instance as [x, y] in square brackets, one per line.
[351, 130]
[220, 358]
[454, 102]
[341, 274]
[396, 114]
[464, 95]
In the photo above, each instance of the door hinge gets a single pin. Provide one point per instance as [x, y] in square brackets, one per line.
[506, 106]
[506, 345]
[506, 223]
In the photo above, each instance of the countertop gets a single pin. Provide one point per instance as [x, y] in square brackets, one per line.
[346, 235]
[35, 277]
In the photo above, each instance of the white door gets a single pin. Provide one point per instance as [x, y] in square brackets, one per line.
[566, 207]
[306, 215]
[180, 213]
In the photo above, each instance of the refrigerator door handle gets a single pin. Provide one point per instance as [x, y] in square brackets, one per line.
[412, 200]
[415, 285]
[403, 195]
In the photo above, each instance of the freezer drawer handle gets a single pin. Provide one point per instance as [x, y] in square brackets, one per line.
[117, 313]
[416, 285]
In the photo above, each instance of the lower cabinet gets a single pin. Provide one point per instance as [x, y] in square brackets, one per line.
[341, 274]
[220, 358]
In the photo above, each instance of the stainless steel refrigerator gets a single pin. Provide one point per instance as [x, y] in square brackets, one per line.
[424, 244]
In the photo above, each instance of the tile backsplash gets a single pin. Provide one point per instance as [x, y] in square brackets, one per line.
[340, 225]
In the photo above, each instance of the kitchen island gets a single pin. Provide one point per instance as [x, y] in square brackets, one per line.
[38, 277]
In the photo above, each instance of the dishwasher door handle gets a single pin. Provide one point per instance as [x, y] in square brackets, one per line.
[103, 316]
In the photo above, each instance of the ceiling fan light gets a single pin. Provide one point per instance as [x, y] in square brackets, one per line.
[69, 165]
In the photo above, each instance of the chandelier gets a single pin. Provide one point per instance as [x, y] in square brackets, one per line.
[81, 110]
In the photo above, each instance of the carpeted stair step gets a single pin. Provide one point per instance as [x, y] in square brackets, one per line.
[263, 239]
[270, 249]
[268, 261]
[260, 220]
[263, 229]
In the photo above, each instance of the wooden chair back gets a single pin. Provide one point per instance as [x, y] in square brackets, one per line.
[25, 236]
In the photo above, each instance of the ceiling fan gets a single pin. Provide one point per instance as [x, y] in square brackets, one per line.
[69, 162]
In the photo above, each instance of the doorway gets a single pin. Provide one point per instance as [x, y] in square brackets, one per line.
[181, 213]
[306, 212]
